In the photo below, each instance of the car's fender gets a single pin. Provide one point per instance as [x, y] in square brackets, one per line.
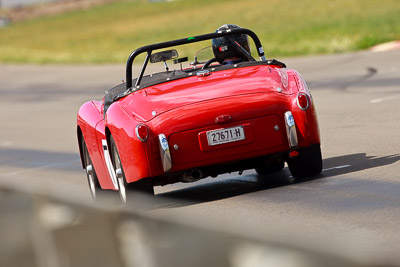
[306, 120]
[121, 125]
[89, 119]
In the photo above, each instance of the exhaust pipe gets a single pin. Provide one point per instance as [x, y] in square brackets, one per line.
[197, 174]
[192, 176]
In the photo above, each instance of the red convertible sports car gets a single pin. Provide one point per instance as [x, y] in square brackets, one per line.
[225, 114]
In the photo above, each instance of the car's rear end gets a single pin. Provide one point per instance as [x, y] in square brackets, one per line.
[219, 135]
[228, 121]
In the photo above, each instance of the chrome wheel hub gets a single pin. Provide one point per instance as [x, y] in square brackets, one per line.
[121, 184]
[92, 185]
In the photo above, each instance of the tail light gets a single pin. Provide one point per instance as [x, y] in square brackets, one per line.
[302, 101]
[142, 132]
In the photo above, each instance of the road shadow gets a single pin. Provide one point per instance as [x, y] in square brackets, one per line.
[240, 185]
[222, 187]
[355, 162]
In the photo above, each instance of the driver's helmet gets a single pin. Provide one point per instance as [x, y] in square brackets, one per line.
[224, 49]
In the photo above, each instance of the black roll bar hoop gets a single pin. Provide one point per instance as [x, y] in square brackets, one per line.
[198, 38]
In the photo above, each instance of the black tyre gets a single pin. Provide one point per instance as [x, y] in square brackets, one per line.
[307, 163]
[127, 190]
[274, 166]
[94, 185]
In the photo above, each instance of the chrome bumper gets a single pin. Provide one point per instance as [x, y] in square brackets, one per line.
[291, 129]
[165, 153]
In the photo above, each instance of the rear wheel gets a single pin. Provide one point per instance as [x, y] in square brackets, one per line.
[126, 190]
[307, 163]
[94, 185]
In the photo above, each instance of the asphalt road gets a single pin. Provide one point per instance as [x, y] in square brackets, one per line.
[352, 208]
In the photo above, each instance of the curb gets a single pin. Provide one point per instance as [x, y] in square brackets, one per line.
[394, 45]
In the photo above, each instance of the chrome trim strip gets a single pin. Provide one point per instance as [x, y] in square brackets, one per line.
[291, 129]
[203, 73]
[165, 153]
[110, 167]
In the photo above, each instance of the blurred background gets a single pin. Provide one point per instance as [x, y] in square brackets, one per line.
[105, 31]
[21, 3]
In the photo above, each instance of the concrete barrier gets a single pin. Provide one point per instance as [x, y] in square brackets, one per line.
[49, 231]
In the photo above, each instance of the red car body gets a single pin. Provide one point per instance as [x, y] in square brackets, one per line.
[255, 99]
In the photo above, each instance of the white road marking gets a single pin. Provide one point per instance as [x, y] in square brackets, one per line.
[5, 143]
[337, 167]
[378, 100]
[38, 168]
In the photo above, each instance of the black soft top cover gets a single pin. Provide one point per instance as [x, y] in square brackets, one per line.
[120, 90]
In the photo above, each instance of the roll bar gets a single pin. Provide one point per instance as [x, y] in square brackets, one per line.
[193, 39]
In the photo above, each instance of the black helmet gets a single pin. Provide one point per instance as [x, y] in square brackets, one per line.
[224, 47]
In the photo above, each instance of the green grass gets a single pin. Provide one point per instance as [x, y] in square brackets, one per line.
[108, 33]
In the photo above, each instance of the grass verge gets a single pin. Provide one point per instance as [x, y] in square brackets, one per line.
[108, 33]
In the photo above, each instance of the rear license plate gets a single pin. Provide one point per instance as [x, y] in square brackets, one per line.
[227, 135]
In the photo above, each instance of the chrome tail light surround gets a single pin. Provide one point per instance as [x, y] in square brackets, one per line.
[142, 132]
[302, 101]
[291, 129]
[165, 153]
